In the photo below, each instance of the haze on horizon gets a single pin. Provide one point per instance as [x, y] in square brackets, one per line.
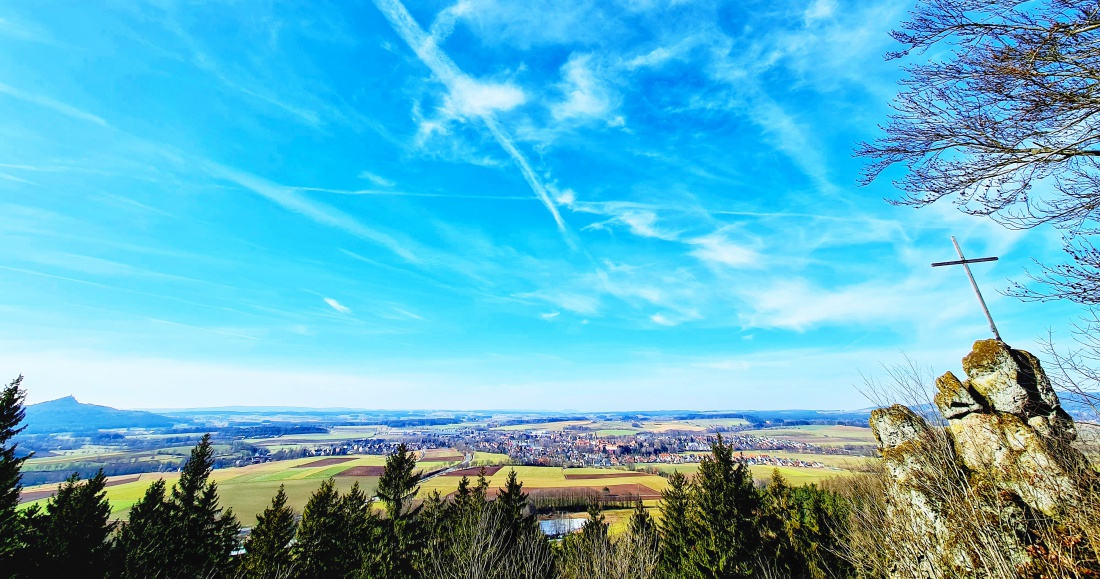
[468, 205]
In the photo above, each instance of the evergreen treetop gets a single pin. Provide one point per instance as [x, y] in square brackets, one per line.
[11, 415]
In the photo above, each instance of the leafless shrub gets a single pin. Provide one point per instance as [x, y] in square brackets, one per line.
[633, 555]
[475, 549]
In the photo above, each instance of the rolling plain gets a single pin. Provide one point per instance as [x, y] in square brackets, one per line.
[615, 459]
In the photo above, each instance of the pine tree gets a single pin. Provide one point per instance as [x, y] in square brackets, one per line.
[402, 539]
[780, 525]
[11, 414]
[322, 546]
[641, 522]
[204, 536]
[596, 527]
[27, 560]
[726, 504]
[677, 528]
[361, 526]
[76, 530]
[512, 502]
[185, 534]
[146, 540]
[267, 550]
[398, 483]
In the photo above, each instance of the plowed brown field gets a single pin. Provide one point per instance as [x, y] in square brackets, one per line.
[362, 471]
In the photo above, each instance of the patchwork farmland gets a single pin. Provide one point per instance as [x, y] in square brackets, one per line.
[562, 462]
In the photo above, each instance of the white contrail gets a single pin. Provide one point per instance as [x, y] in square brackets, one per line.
[289, 199]
[451, 76]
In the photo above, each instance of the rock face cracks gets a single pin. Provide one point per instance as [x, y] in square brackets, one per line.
[1000, 460]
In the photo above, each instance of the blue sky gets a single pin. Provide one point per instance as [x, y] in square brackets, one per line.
[582, 204]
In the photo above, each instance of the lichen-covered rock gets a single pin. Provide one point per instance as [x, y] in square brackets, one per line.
[1013, 381]
[1010, 453]
[953, 398]
[904, 438]
[897, 426]
[1006, 452]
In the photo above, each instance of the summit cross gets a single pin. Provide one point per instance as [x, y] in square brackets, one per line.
[966, 265]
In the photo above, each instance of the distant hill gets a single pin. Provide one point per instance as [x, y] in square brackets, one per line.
[68, 415]
[1077, 407]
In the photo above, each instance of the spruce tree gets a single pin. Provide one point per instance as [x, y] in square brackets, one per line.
[726, 504]
[11, 414]
[780, 527]
[641, 522]
[677, 527]
[361, 527]
[27, 560]
[512, 503]
[821, 537]
[595, 527]
[323, 542]
[398, 483]
[204, 535]
[185, 534]
[267, 550]
[76, 531]
[145, 540]
[589, 553]
[402, 539]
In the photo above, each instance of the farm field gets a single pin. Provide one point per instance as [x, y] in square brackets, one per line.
[247, 489]
[548, 477]
[617, 432]
[793, 475]
[821, 435]
[626, 428]
[490, 458]
[697, 425]
[840, 461]
[557, 426]
[336, 433]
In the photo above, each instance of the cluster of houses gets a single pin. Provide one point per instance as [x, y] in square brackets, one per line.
[766, 460]
[571, 447]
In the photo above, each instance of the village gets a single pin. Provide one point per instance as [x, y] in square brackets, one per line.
[570, 448]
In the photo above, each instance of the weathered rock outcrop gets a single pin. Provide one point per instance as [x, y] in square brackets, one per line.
[1002, 461]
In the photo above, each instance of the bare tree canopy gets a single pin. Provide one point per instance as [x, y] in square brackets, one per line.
[1002, 118]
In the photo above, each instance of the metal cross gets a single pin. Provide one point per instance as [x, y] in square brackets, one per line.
[965, 263]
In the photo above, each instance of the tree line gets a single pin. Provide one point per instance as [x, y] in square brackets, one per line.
[717, 524]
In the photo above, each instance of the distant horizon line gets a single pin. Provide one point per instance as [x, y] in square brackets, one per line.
[334, 409]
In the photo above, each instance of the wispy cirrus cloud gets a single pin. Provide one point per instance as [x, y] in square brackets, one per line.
[468, 94]
[718, 249]
[323, 214]
[54, 105]
[376, 179]
[337, 306]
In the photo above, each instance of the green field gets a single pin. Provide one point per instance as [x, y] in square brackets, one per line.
[490, 458]
[248, 489]
[545, 477]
